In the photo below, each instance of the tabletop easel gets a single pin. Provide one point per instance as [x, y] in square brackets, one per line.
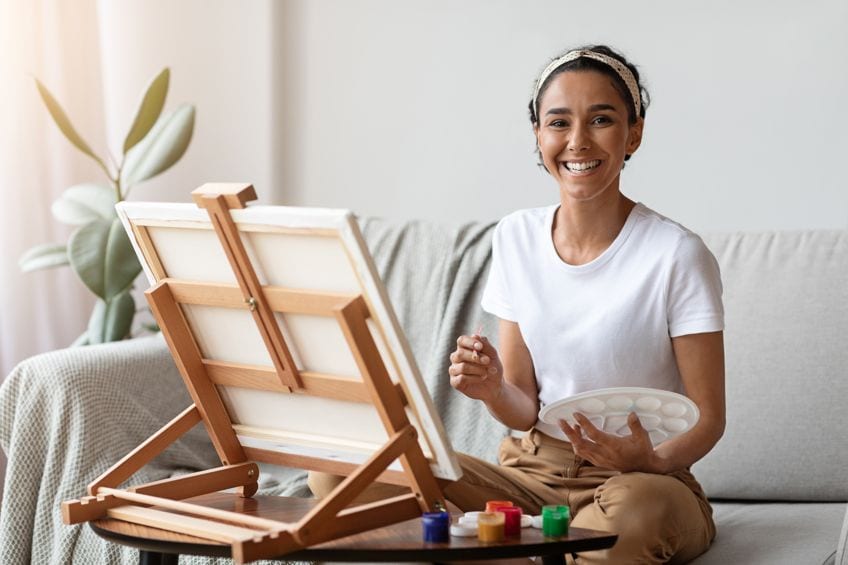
[251, 537]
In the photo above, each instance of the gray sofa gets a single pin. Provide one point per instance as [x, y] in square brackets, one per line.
[777, 477]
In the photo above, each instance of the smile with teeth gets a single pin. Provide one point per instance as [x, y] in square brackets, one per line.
[580, 167]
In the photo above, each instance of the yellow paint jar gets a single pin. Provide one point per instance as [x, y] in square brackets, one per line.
[490, 526]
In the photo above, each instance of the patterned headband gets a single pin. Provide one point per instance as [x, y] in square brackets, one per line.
[616, 65]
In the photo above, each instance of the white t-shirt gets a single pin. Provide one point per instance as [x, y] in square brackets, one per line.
[609, 322]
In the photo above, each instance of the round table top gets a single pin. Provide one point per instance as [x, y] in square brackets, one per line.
[398, 542]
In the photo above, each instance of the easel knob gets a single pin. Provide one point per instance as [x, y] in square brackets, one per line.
[236, 194]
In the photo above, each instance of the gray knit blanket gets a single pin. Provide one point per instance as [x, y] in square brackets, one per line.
[67, 416]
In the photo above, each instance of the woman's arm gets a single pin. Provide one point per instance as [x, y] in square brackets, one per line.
[700, 360]
[506, 383]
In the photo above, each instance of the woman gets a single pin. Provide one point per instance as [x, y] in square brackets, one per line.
[598, 291]
[594, 292]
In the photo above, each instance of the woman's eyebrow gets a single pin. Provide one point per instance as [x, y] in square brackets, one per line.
[592, 108]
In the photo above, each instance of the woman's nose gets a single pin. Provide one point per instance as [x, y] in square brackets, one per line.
[579, 140]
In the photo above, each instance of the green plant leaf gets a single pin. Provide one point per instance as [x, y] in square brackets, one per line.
[84, 203]
[122, 266]
[149, 109]
[44, 256]
[103, 257]
[61, 119]
[151, 327]
[87, 251]
[161, 148]
[111, 321]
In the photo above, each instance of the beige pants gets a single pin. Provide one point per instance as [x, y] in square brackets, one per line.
[658, 518]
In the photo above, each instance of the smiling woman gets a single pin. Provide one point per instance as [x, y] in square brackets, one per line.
[592, 292]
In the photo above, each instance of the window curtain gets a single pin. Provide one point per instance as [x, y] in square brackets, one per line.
[58, 43]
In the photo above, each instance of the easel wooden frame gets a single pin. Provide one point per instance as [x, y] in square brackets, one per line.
[250, 537]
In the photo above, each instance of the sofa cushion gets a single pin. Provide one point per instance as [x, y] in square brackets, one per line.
[786, 340]
[774, 533]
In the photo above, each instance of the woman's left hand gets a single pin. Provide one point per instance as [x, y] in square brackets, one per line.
[628, 453]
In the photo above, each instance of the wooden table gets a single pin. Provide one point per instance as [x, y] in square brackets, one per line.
[397, 543]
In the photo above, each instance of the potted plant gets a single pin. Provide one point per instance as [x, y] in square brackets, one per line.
[99, 250]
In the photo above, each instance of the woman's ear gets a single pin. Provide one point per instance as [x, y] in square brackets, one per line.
[634, 138]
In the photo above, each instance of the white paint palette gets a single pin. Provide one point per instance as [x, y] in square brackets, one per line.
[662, 413]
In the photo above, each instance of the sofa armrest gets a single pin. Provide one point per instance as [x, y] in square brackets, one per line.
[67, 416]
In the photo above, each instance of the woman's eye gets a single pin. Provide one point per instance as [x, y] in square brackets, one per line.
[559, 124]
[601, 120]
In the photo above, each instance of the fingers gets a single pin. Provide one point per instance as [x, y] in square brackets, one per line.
[465, 356]
[574, 434]
[571, 433]
[475, 369]
[610, 451]
[636, 428]
[462, 383]
[582, 447]
[473, 349]
[470, 368]
[593, 433]
[475, 342]
[480, 387]
[469, 342]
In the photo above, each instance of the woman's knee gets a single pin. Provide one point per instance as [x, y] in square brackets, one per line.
[642, 495]
[322, 484]
[657, 517]
[644, 501]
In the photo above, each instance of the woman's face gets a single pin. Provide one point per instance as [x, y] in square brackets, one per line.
[584, 134]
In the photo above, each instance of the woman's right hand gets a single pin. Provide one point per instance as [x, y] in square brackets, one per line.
[476, 370]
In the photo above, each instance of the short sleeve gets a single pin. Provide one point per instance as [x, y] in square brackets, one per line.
[496, 295]
[694, 290]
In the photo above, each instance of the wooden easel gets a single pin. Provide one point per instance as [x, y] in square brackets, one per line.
[250, 537]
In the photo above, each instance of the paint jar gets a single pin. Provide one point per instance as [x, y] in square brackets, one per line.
[436, 526]
[490, 526]
[493, 505]
[512, 520]
[555, 520]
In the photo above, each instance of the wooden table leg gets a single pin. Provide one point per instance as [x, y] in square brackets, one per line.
[155, 558]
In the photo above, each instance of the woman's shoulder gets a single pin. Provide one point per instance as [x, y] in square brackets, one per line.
[527, 218]
[662, 226]
[670, 236]
[659, 222]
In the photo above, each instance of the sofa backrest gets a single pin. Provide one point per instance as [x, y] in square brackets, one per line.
[435, 276]
[786, 341]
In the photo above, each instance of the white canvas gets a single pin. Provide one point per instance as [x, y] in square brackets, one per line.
[301, 249]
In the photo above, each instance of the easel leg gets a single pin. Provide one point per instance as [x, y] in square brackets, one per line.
[247, 491]
[154, 558]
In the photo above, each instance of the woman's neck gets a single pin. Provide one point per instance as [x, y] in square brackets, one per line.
[583, 230]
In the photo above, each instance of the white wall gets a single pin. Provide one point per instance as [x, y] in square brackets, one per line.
[220, 58]
[414, 109]
[418, 109]
[97, 56]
